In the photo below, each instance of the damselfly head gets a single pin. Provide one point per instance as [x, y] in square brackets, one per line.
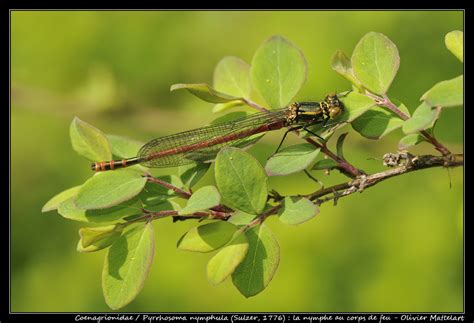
[335, 106]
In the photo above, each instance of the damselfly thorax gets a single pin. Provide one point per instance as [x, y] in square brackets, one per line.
[203, 144]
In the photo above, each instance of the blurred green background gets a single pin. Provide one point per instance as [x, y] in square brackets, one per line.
[396, 247]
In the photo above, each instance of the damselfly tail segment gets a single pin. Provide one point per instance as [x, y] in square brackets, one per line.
[203, 144]
[114, 164]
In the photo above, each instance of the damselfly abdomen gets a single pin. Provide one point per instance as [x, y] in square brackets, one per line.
[203, 144]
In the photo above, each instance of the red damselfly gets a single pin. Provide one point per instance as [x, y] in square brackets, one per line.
[203, 144]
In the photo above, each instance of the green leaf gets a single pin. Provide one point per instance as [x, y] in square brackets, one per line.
[232, 76]
[241, 180]
[297, 210]
[278, 71]
[375, 61]
[54, 202]
[89, 141]
[340, 144]
[204, 198]
[226, 106]
[291, 159]
[191, 174]
[205, 92]
[376, 123]
[446, 94]
[163, 206]
[124, 147]
[454, 42]
[423, 118]
[409, 141]
[97, 238]
[241, 218]
[127, 264]
[342, 65]
[107, 189]
[325, 164]
[70, 211]
[207, 237]
[259, 266]
[223, 264]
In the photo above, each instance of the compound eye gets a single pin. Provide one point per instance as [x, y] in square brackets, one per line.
[334, 112]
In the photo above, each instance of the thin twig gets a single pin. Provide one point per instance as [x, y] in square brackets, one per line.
[344, 166]
[359, 184]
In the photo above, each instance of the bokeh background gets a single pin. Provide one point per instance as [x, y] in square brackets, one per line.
[396, 247]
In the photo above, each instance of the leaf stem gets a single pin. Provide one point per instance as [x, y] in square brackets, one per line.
[254, 105]
[169, 186]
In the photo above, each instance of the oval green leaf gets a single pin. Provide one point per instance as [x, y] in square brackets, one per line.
[423, 118]
[124, 147]
[89, 142]
[278, 71]
[205, 92]
[375, 62]
[204, 198]
[340, 145]
[446, 94]
[191, 174]
[241, 218]
[207, 237]
[226, 106]
[291, 159]
[97, 238]
[260, 264]
[69, 210]
[297, 210]
[54, 202]
[127, 264]
[410, 140]
[232, 76]
[325, 164]
[454, 42]
[241, 180]
[342, 65]
[224, 262]
[107, 189]
[376, 123]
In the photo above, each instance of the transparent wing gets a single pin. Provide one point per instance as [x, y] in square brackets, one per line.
[203, 144]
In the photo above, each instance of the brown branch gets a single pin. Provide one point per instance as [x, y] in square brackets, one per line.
[407, 163]
[343, 165]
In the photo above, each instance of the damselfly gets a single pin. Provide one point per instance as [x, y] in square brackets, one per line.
[203, 144]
